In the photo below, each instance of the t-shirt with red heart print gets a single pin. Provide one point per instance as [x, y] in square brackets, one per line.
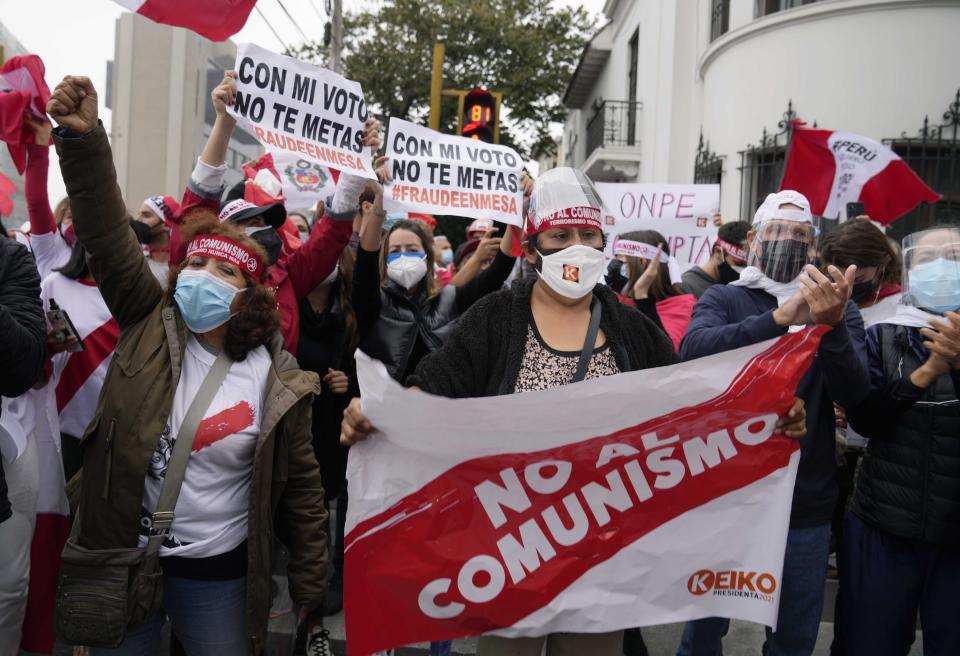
[211, 512]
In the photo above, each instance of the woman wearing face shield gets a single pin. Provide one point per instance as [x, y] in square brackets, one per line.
[901, 539]
[251, 466]
[544, 333]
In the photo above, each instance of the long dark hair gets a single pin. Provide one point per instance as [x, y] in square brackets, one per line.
[429, 283]
[662, 287]
[352, 337]
[76, 267]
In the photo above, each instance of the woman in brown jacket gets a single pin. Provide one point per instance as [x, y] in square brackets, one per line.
[252, 465]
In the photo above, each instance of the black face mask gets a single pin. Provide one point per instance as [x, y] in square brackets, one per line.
[144, 233]
[727, 273]
[864, 291]
[783, 260]
[271, 242]
[615, 278]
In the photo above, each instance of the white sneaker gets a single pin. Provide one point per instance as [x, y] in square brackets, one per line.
[318, 642]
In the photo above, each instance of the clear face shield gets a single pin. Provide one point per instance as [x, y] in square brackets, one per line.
[782, 247]
[931, 270]
[564, 196]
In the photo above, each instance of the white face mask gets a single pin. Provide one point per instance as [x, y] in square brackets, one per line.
[574, 271]
[406, 269]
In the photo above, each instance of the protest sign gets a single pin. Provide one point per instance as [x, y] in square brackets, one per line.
[445, 174]
[683, 214]
[304, 181]
[294, 108]
[616, 508]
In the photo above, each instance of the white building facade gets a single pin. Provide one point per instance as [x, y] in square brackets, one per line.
[679, 91]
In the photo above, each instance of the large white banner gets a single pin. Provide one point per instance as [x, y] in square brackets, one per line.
[439, 173]
[683, 214]
[296, 109]
[639, 499]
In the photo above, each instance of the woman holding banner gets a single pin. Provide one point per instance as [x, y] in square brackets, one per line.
[202, 412]
[540, 334]
[653, 281]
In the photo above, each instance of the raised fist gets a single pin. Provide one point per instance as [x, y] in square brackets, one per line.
[73, 104]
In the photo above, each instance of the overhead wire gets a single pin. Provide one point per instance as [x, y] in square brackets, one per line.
[295, 23]
[264, 18]
[317, 11]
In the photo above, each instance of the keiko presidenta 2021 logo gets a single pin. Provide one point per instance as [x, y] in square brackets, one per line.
[733, 583]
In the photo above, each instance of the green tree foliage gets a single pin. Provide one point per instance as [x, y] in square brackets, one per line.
[527, 49]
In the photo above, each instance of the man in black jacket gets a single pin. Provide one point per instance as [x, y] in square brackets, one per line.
[22, 349]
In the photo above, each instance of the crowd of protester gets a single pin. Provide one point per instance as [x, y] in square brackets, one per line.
[229, 315]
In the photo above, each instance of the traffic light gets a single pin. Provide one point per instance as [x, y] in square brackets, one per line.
[479, 115]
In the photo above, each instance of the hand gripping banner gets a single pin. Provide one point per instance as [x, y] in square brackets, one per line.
[645, 498]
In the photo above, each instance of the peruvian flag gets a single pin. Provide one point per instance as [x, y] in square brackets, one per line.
[217, 20]
[833, 168]
[22, 91]
[645, 498]
[52, 527]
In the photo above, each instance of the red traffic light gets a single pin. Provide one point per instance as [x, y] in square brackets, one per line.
[478, 130]
[479, 115]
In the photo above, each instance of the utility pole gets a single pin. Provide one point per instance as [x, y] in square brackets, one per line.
[436, 86]
[336, 45]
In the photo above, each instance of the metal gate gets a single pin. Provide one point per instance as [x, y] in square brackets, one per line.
[934, 154]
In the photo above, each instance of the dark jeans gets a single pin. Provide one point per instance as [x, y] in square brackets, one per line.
[209, 617]
[886, 581]
[801, 603]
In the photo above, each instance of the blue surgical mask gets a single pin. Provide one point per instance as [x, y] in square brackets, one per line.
[204, 299]
[935, 286]
[446, 256]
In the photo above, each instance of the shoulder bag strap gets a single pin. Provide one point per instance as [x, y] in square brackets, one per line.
[177, 467]
[588, 343]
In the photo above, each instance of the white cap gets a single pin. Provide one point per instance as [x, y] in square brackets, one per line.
[770, 208]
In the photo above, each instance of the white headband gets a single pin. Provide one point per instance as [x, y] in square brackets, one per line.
[648, 252]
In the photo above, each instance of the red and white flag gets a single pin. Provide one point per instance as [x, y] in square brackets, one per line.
[639, 499]
[52, 526]
[833, 168]
[217, 20]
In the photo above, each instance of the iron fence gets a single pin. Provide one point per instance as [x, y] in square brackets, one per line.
[761, 166]
[616, 123]
[707, 166]
[934, 154]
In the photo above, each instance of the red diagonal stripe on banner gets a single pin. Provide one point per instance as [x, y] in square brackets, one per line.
[430, 534]
[98, 345]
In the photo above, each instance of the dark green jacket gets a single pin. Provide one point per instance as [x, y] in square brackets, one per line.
[137, 396]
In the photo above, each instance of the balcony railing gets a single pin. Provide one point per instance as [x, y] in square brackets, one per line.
[616, 123]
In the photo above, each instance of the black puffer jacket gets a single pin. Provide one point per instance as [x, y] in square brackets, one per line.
[22, 331]
[399, 329]
[483, 354]
[909, 482]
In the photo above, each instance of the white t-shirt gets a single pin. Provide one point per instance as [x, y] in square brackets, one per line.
[211, 512]
[160, 270]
